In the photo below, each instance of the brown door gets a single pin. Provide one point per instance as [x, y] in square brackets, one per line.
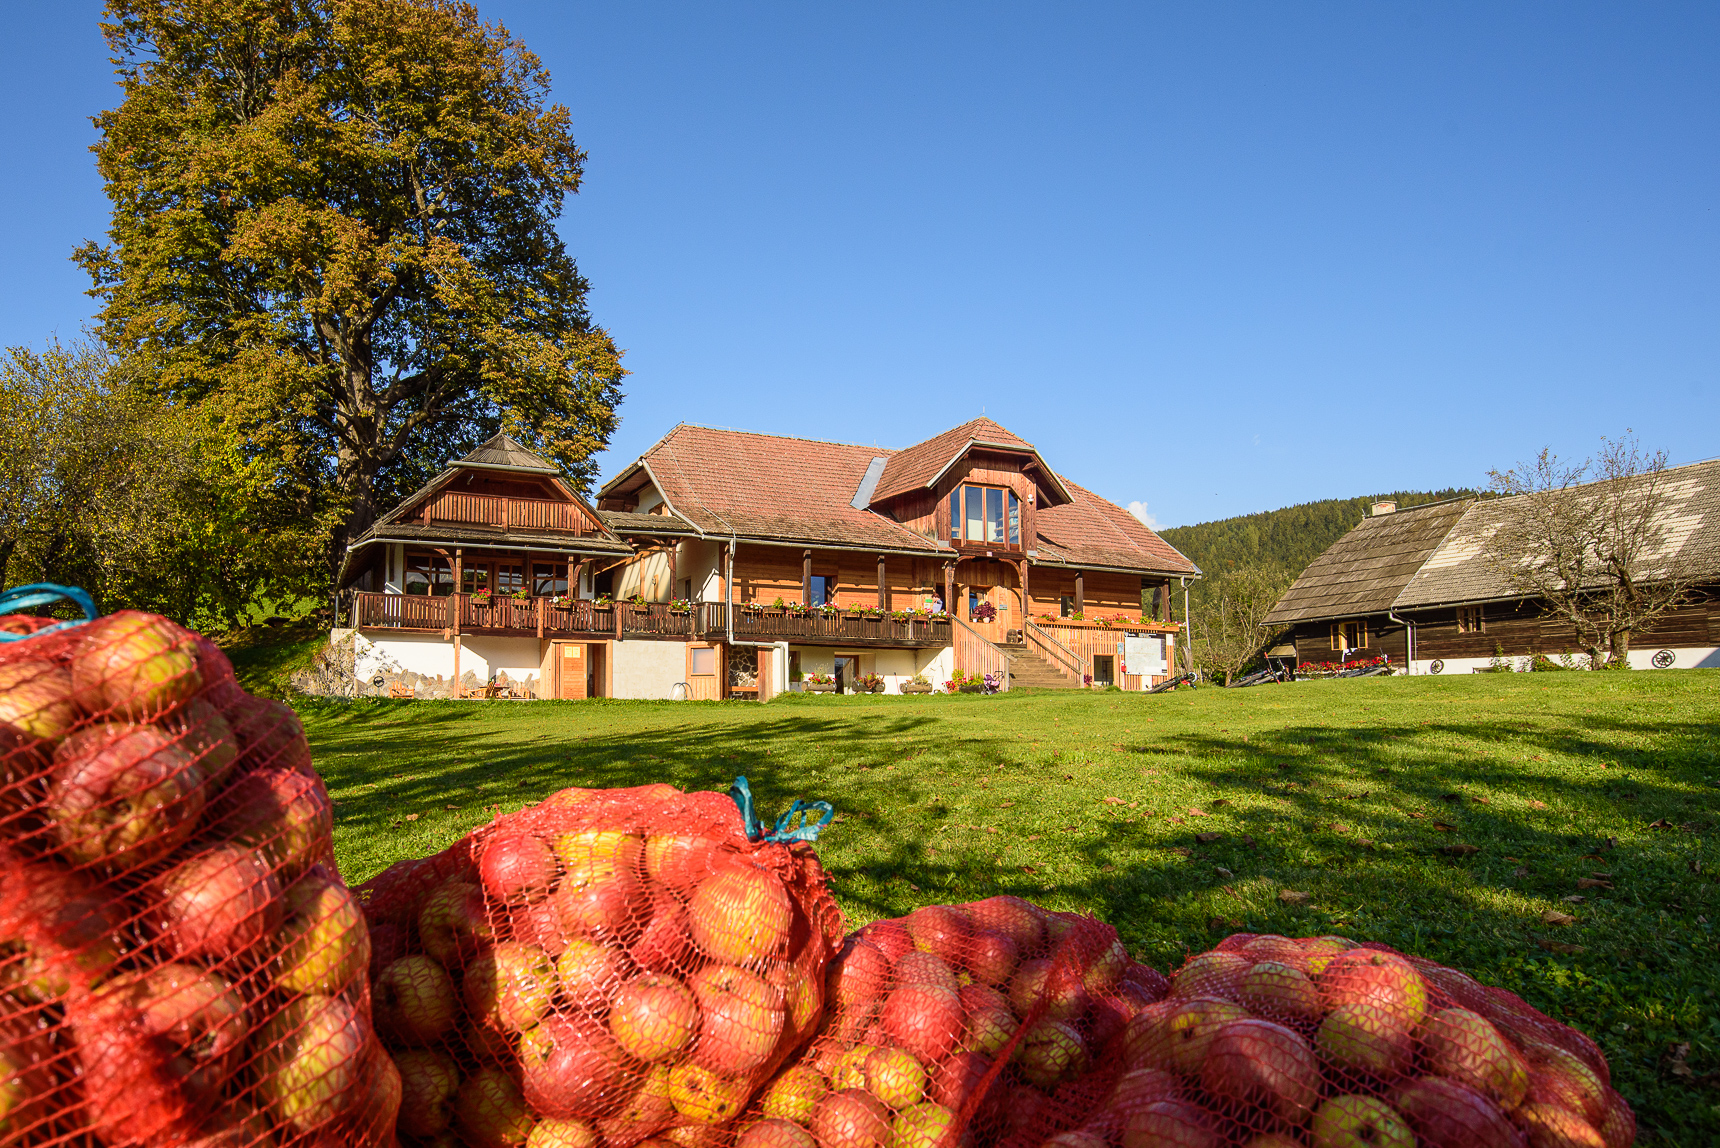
[571, 670]
[594, 671]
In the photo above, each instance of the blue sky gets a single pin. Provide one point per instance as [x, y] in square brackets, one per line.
[1209, 258]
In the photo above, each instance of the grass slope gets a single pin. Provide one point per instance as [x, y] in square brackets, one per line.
[1182, 817]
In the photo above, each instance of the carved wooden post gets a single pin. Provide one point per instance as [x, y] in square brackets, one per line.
[950, 588]
[883, 594]
[1080, 592]
[540, 609]
[1167, 601]
[459, 569]
[806, 578]
[1026, 602]
[674, 568]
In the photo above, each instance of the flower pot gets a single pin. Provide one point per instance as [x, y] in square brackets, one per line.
[978, 688]
[819, 687]
[916, 688]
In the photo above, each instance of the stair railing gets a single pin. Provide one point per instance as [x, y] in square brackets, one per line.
[1052, 650]
[976, 654]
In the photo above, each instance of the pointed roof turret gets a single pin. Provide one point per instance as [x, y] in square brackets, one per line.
[504, 451]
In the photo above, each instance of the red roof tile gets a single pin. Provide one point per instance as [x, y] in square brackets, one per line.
[1091, 531]
[919, 464]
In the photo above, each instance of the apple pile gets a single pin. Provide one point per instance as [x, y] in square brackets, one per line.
[971, 1024]
[609, 967]
[180, 964]
[1271, 1042]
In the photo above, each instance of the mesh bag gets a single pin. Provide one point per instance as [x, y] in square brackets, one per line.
[1268, 1042]
[180, 964]
[995, 1022]
[609, 966]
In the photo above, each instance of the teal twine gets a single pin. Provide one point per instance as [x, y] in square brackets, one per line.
[40, 594]
[741, 794]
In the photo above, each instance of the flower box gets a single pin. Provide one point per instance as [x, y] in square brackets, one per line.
[972, 688]
[819, 687]
[917, 688]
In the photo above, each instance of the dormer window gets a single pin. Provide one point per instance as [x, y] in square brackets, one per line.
[985, 516]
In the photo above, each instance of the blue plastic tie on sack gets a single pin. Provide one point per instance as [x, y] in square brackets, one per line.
[40, 594]
[741, 794]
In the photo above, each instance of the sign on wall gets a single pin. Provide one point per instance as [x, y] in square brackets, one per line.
[1143, 655]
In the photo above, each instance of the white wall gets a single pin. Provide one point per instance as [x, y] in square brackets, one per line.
[938, 665]
[647, 669]
[1687, 658]
[425, 654]
[488, 656]
[895, 667]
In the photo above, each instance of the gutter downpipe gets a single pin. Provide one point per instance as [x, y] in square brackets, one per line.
[1409, 640]
[1188, 631]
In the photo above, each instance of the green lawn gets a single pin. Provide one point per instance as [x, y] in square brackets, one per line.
[1183, 817]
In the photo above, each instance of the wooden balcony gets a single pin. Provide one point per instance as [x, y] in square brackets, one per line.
[707, 620]
[507, 513]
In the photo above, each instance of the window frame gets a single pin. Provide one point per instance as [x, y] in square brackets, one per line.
[1110, 675]
[1471, 620]
[710, 653]
[969, 503]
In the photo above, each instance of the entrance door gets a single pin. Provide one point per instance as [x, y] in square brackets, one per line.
[570, 670]
[594, 671]
[847, 671]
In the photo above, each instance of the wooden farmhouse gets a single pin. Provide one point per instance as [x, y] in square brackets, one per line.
[1413, 585]
[727, 564]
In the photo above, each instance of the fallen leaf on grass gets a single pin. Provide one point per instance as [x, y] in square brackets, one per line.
[1537, 805]
[450, 807]
[1207, 838]
[1337, 828]
[1592, 883]
[1028, 869]
[1113, 801]
[1574, 899]
[1364, 843]
[1107, 868]
[1443, 827]
[1519, 872]
[1481, 801]
[1461, 850]
[1193, 812]
[1564, 947]
[1602, 876]
[1663, 823]
[412, 817]
[1249, 841]
[1294, 897]
[1227, 875]
[1179, 850]
[1218, 802]
[1176, 821]
[1417, 816]
[1554, 917]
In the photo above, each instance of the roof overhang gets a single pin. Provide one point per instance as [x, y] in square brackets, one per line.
[462, 464]
[1005, 448]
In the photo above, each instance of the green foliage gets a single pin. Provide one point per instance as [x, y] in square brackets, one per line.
[1331, 788]
[333, 235]
[109, 486]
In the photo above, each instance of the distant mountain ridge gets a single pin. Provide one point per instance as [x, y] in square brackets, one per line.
[1284, 541]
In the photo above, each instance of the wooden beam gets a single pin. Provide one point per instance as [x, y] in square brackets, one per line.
[1026, 602]
[806, 578]
[1167, 601]
[883, 593]
[1080, 592]
[459, 570]
[674, 568]
[950, 589]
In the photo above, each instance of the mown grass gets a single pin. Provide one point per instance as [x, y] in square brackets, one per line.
[1183, 817]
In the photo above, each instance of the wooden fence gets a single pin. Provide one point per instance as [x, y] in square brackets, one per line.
[976, 655]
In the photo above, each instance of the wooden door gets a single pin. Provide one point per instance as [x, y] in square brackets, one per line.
[596, 676]
[571, 670]
[766, 688]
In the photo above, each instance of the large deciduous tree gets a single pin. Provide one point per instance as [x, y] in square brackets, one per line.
[1596, 543]
[333, 231]
[1230, 631]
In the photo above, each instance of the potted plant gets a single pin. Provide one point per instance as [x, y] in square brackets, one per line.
[966, 683]
[985, 612]
[680, 606]
[819, 684]
[603, 602]
[870, 684]
[920, 685]
[481, 598]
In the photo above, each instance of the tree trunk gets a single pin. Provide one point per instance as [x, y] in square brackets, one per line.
[1621, 646]
[1227, 678]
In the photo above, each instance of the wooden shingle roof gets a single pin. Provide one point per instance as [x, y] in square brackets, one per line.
[1365, 570]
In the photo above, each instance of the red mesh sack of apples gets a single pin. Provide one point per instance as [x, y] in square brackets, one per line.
[979, 1024]
[1270, 1042]
[607, 967]
[180, 964]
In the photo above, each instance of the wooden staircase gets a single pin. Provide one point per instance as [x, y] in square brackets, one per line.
[1027, 670]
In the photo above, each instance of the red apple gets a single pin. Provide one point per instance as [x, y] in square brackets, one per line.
[679, 861]
[919, 968]
[957, 1081]
[235, 1125]
[609, 908]
[664, 945]
[1318, 953]
[414, 1001]
[1355, 1121]
[56, 930]
[270, 734]
[1168, 1124]
[1465, 1047]
[894, 1076]
[588, 971]
[1554, 1126]
[1365, 1039]
[1446, 1114]
[740, 914]
[890, 937]
[557, 1132]
[538, 923]
[453, 923]
[285, 814]
[643, 1111]
[802, 997]
[510, 986]
[36, 699]
[990, 1023]
[1618, 1127]
[219, 686]
[204, 734]
[775, 1134]
[490, 1111]
[741, 1018]
[992, 957]
[1011, 916]
[1145, 983]
[1280, 992]
[1142, 1086]
[857, 974]
[849, 1069]
[1211, 974]
[311, 1057]
[134, 665]
[1261, 1063]
[1056, 985]
[1371, 976]
[940, 929]
[572, 1067]
[1142, 1034]
[28, 1080]
[218, 903]
[123, 796]
[1565, 1078]
[705, 1096]
[515, 868]
[852, 1118]
[429, 1082]
[1081, 1138]
[1277, 949]
[1107, 968]
[1049, 1052]
[653, 1017]
[1178, 1038]
[923, 1019]
[600, 855]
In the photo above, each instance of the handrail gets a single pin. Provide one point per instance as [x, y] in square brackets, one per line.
[976, 652]
[1052, 650]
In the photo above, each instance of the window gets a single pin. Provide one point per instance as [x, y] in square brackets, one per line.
[1470, 621]
[703, 660]
[510, 579]
[823, 590]
[1104, 672]
[474, 579]
[429, 574]
[549, 579]
[1065, 607]
[1349, 636]
[985, 516]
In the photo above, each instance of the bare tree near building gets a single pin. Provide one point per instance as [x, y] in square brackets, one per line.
[1230, 632]
[1596, 542]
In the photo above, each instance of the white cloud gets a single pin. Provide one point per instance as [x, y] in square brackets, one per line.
[1139, 510]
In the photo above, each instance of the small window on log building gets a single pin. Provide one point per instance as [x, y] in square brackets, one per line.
[1470, 621]
[1349, 635]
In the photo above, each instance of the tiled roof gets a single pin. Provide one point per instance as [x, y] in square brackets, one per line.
[919, 464]
[1091, 531]
[626, 522]
[1457, 572]
[1364, 571]
[504, 451]
[801, 490]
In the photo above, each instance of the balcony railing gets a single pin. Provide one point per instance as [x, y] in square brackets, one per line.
[507, 513]
[707, 620]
